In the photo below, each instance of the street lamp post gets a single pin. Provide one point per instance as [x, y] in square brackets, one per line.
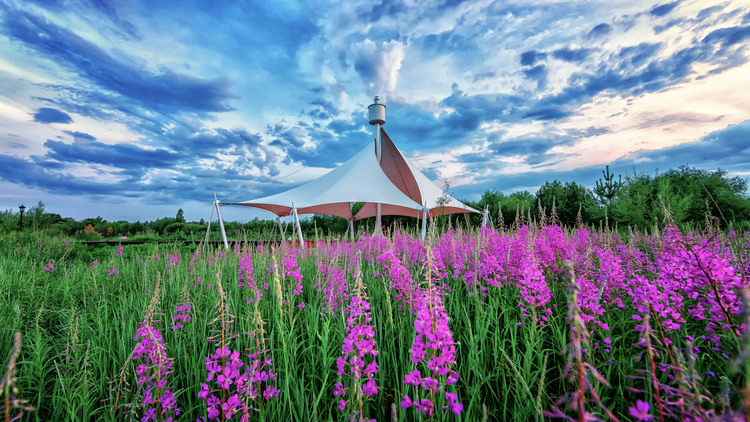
[22, 209]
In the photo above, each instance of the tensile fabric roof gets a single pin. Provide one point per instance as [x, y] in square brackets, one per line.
[394, 182]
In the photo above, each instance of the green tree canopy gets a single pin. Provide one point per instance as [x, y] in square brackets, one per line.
[568, 198]
[689, 192]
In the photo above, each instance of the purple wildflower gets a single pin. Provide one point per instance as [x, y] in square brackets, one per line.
[640, 411]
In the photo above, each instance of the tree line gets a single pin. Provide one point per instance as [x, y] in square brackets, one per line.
[693, 197]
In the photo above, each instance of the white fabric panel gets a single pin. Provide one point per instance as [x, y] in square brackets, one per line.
[361, 179]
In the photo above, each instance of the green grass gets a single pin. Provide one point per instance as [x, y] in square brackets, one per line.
[78, 329]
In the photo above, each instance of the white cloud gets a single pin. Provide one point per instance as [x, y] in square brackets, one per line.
[378, 64]
[684, 113]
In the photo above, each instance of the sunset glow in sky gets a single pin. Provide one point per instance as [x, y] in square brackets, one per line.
[131, 110]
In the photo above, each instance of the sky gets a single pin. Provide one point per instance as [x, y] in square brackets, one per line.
[130, 110]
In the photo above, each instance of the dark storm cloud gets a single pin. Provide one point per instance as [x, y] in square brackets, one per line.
[537, 73]
[167, 91]
[547, 113]
[28, 173]
[529, 58]
[600, 30]
[87, 150]
[573, 55]
[663, 9]
[80, 135]
[51, 115]
[728, 36]
[637, 55]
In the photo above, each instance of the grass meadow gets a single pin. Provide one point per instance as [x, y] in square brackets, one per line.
[528, 324]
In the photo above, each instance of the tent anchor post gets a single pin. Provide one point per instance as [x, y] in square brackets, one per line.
[299, 228]
[351, 220]
[208, 230]
[281, 230]
[221, 222]
[378, 143]
[378, 220]
[424, 221]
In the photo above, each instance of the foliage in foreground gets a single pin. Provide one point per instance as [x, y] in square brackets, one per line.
[520, 325]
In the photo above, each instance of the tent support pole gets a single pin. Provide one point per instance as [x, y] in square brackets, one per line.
[208, 230]
[299, 229]
[351, 220]
[281, 230]
[221, 222]
[424, 221]
[379, 156]
[378, 220]
[378, 145]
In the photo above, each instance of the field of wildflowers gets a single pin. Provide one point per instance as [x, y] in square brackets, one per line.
[527, 324]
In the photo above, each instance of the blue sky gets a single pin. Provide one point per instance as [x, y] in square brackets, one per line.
[131, 110]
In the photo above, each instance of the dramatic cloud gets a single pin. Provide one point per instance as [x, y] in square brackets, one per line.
[574, 55]
[159, 104]
[600, 30]
[728, 149]
[378, 65]
[663, 9]
[51, 115]
[85, 149]
[165, 90]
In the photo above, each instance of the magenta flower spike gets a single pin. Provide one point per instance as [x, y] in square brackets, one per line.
[433, 335]
[357, 364]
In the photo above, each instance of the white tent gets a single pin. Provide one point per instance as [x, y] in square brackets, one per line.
[361, 179]
[385, 181]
